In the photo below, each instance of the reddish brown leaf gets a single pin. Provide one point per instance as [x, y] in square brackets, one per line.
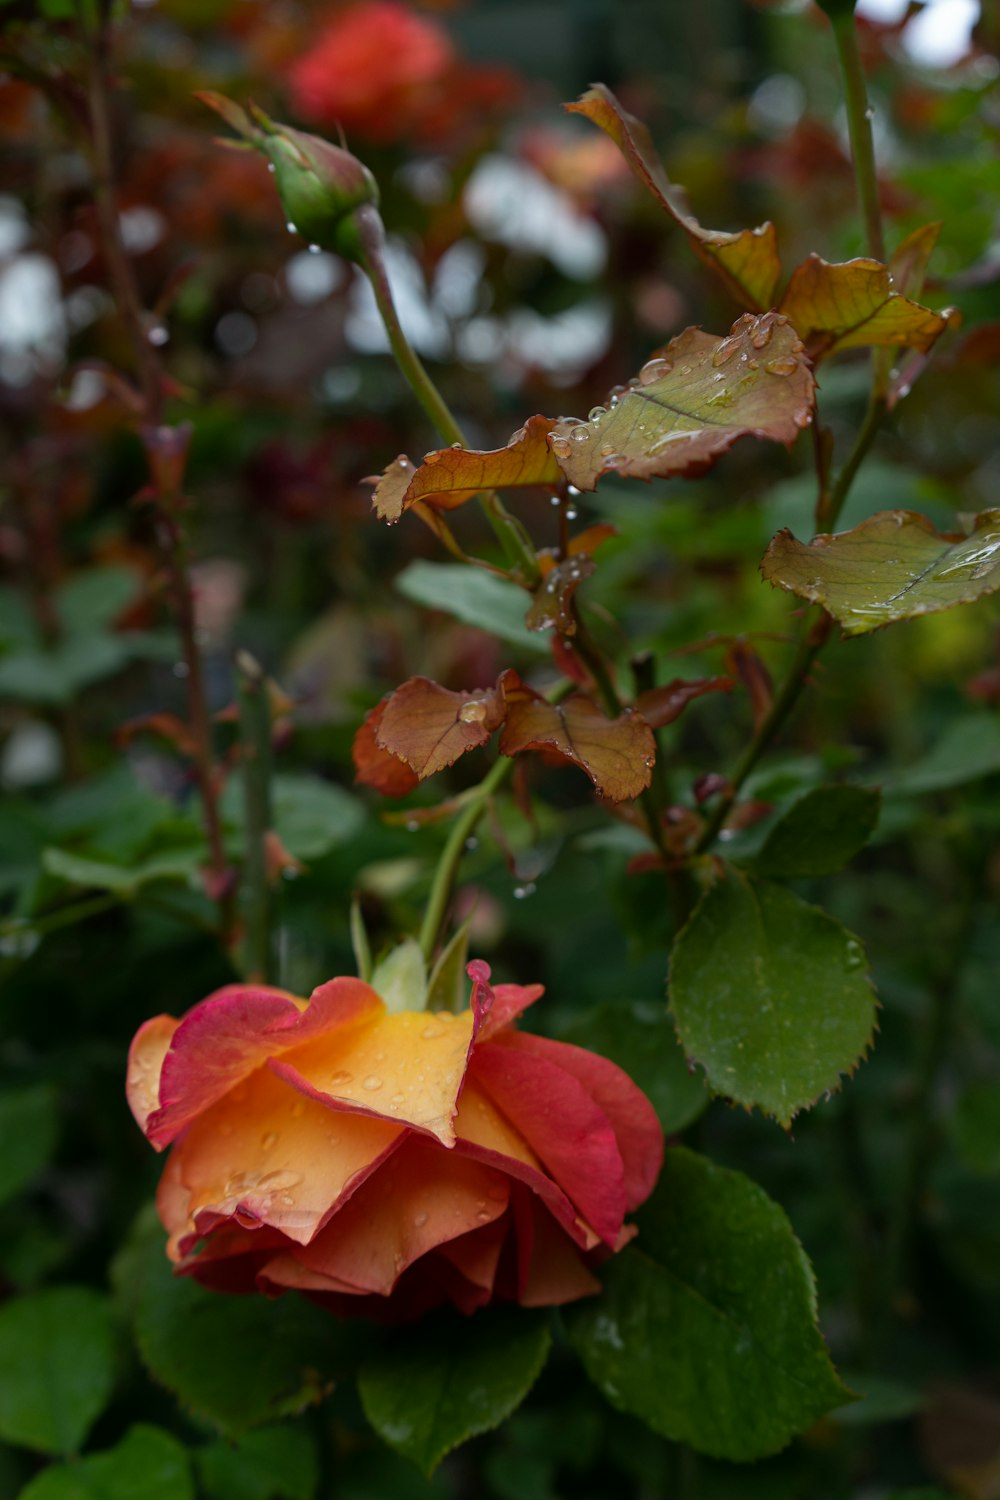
[745, 660]
[430, 727]
[662, 705]
[747, 261]
[853, 305]
[376, 767]
[692, 401]
[167, 726]
[552, 605]
[449, 477]
[617, 754]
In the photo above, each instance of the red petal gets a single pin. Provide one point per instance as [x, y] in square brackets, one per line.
[563, 1125]
[633, 1119]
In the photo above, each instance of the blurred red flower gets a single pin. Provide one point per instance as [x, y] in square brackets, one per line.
[386, 1162]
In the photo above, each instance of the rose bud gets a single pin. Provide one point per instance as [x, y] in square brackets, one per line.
[386, 1161]
[322, 187]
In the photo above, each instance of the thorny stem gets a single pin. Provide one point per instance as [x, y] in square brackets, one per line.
[168, 530]
[255, 747]
[511, 535]
[811, 642]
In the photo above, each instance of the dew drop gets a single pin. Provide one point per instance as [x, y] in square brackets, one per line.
[268, 1141]
[412, 826]
[760, 335]
[291, 227]
[555, 500]
[419, 1220]
[430, 1032]
[521, 892]
[158, 335]
[580, 435]
[341, 1078]
[725, 352]
[560, 446]
[281, 1181]
[473, 712]
[654, 369]
[803, 419]
[572, 491]
[299, 1108]
[315, 249]
[596, 412]
[456, 445]
[372, 1083]
[397, 1100]
[571, 512]
[270, 167]
[781, 366]
[286, 1199]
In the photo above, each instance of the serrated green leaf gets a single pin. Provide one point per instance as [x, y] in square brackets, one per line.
[273, 1463]
[237, 1362]
[892, 567]
[706, 1328]
[29, 1126]
[437, 1385]
[148, 1464]
[640, 1038]
[57, 1366]
[310, 816]
[481, 599]
[770, 995]
[820, 832]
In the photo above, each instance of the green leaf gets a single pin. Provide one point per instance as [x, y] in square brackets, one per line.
[56, 675]
[237, 1362]
[148, 1464]
[29, 1127]
[437, 1385]
[273, 1463]
[481, 599]
[770, 995]
[57, 1367]
[968, 750]
[170, 864]
[975, 1124]
[310, 816]
[820, 832]
[640, 1038]
[400, 977]
[691, 402]
[892, 567]
[95, 598]
[448, 985]
[706, 1328]
[879, 1400]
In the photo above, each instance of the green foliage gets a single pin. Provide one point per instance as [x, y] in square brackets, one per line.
[707, 1326]
[235, 1362]
[57, 1367]
[310, 816]
[435, 1386]
[481, 599]
[770, 996]
[148, 1464]
[820, 832]
[271, 1463]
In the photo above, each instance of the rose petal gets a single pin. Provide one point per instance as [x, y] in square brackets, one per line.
[485, 1135]
[232, 1032]
[476, 1255]
[270, 1156]
[496, 1006]
[145, 1061]
[563, 1125]
[407, 1067]
[419, 1199]
[555, 1272]
[633, 1119]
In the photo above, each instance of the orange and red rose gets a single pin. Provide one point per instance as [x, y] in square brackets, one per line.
[385, 1162]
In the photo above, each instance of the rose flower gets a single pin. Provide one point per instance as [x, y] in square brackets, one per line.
[384, 1162]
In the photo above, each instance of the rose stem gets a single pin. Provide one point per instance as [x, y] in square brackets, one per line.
[859, 122]
[168, 531]
[508, 530]
[255, 756]
[451, 854]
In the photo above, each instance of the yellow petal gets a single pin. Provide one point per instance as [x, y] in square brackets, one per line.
[406, 1068]
[145, 1063]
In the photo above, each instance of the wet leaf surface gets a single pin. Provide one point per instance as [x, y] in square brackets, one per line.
[430, 727]
[853, 305]
[617, 754]
[691, 401]
[892, 567]
[448, 477]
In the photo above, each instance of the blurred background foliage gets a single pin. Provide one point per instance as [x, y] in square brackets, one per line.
[533, 276]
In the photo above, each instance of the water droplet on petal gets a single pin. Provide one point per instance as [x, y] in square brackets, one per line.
[560, 446]
[781, 366]
[581, 435]
[372, 1083]
[269, 1140]
[430, 1032]
[341, 1078]
[419, 1220]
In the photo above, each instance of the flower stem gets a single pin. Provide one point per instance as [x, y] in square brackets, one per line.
[859, 124]
[255, 747]
[451, 854]
[508, 530]
[831, 503]
[811, 642]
